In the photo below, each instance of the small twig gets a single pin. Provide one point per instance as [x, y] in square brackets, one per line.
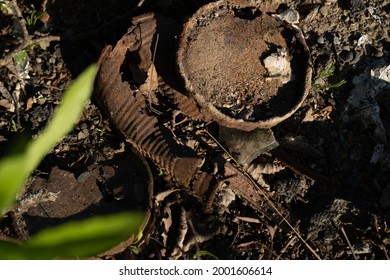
[140, 3]
[22, 21]
[349, 243]
[5, 60]
[16, 105]
[151, 75]
[290, 242]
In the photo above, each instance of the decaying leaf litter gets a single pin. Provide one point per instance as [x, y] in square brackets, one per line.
[329, 167]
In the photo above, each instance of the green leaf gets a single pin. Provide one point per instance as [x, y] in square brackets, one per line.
[77, 239]
[15, 168]
[11, 177]
[335, 85]
[201, 253]
[64, 118]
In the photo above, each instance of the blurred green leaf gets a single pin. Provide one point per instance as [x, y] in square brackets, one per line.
[15, 168]
[77, 239]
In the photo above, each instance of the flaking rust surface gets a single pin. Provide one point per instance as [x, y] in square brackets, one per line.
[127, 107]
[102, 190]
[224, 58]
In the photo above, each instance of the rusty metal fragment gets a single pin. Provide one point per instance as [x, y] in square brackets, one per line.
[101, 190]
[122, 71]
[244, 68]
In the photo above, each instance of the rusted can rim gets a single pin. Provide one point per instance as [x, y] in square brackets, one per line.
[218, 12]
[147, 224]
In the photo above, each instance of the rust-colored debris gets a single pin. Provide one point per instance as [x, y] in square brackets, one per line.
[126, 90]
[101, 190]
[244, 68]
[127, 107]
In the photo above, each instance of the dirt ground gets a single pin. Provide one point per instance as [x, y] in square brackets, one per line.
[324, 191]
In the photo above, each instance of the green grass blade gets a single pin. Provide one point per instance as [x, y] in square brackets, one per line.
[15, 169]
[77, 239]
[11, 177]
[64, 118]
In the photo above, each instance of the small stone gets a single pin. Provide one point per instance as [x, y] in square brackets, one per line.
[324, 10]
[52, 60]
[346, 55]
[308, 116]
[40, 100]
[321, 40]
[278, 66]
[336, 40]
[82, 135]
[364, 40]
[290, 16]
[377, 52]
[38, 60]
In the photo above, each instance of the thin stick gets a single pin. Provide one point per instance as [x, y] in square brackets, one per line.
[270, 203]
[26, 44]
[22, 21]
[140, 3]
[27, 41]
[349, 243]
[151, 75]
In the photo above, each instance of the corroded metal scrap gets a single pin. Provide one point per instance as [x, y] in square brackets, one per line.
[123, 69]
[244, 68]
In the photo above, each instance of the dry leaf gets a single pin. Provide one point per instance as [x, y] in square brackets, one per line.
[44, 44]
[308, 116]
[7, 105]
[29, 104]
[151, 82]
[162, 195]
